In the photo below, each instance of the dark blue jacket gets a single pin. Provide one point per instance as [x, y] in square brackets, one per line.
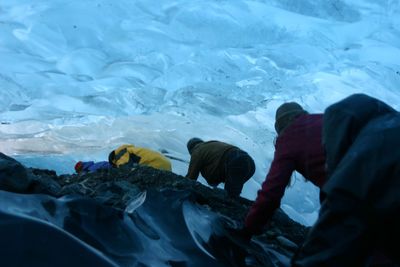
[90, 166]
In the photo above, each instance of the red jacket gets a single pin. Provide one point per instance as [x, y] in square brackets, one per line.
[298, 148]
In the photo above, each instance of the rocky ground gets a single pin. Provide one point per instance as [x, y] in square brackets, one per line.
[118, 187]
[114, 188]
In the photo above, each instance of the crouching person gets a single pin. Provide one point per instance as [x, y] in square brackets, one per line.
[361, 210]
[219, 162]
[83, 167]
[129, 154]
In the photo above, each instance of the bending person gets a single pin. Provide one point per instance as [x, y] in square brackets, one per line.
[298, 148]
[219, 162]
[129, 154]
[83, 167]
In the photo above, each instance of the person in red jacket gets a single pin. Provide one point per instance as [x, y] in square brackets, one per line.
[298, 148]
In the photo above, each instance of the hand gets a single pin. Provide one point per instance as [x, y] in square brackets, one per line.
[238, 235]
[226, 250]
[230, 244]
[242, 234]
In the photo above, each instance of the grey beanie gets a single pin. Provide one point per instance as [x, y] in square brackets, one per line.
[285, 115]
[192, 143]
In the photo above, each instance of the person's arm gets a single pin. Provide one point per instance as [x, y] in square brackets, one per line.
[194, 167]
[272, 190]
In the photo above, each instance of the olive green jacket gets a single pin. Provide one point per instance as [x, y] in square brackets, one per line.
[208, 158]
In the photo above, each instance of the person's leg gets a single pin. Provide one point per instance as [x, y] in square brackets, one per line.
[239, 168]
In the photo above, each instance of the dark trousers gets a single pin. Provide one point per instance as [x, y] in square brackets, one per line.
[239, 168]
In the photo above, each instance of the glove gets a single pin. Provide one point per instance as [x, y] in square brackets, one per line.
[242, 234]
[228, 251]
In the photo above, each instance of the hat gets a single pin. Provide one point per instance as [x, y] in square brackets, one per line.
[192, 143]
[78, 166]
[285, 115]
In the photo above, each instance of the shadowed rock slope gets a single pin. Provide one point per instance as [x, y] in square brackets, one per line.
[114, 188]
[123, 189]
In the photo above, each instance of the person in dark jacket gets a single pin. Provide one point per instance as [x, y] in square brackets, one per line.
[361, 210]
[219, 162]
[298, 148]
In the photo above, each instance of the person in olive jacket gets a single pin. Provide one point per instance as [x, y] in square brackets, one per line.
[219, 162]
[298, 148]
[361, 210]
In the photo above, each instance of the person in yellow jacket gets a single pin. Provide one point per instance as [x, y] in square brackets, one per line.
[131, 154]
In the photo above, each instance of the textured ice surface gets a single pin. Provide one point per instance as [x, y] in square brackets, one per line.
[79, 78]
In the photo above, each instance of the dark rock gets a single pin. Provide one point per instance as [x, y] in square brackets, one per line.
[118, 187]
[286, 243]
[28, 240]
[13, 176]
[122, 192]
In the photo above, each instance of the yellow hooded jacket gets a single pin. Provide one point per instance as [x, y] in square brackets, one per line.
[127, 153]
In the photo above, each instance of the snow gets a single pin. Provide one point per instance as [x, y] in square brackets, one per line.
[79, 78]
